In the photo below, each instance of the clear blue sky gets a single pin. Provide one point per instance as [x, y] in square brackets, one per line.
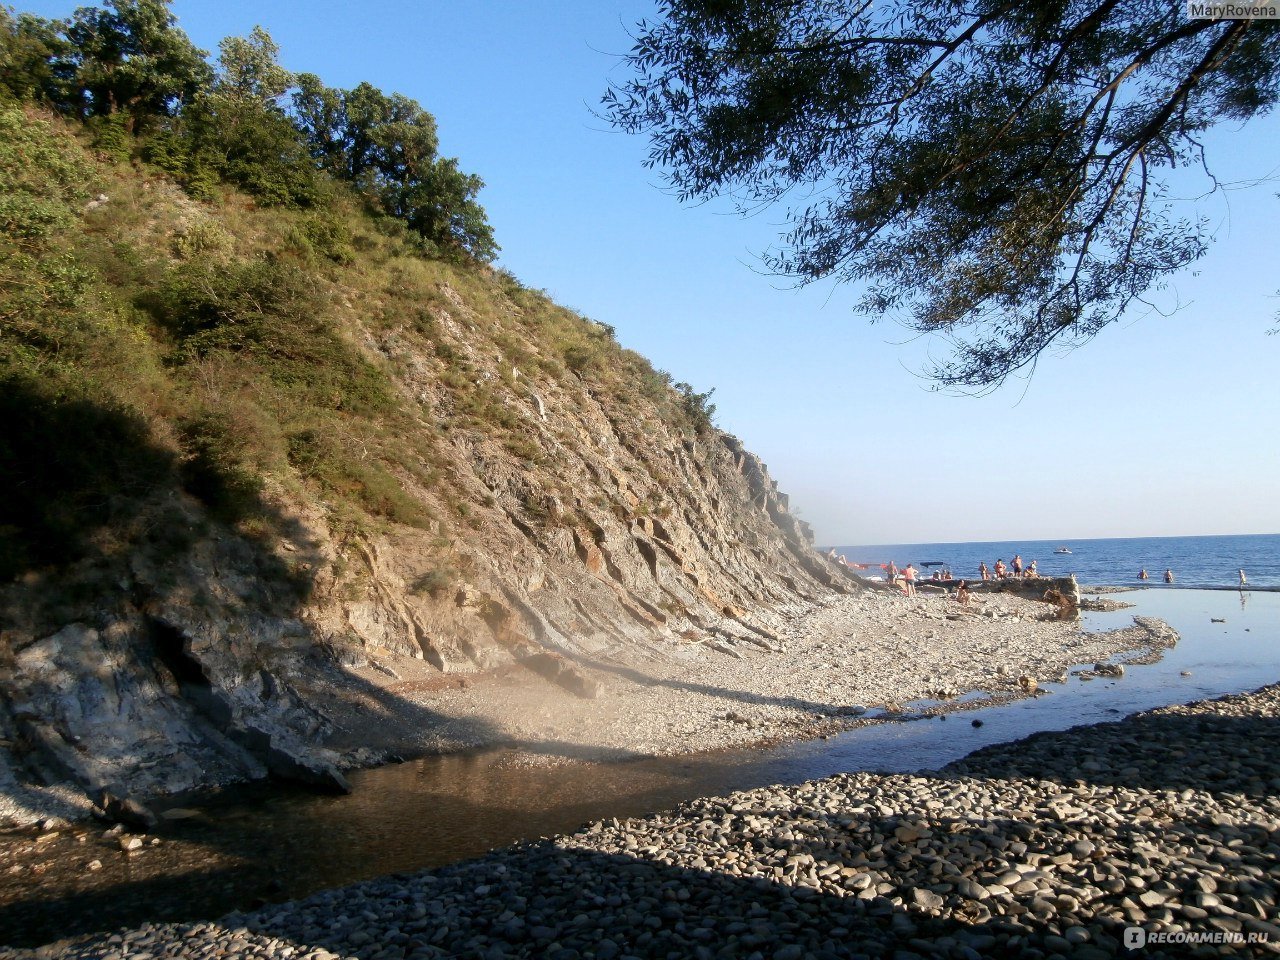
[1165, 425]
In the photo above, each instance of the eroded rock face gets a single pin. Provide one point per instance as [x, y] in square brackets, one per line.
[163, 668]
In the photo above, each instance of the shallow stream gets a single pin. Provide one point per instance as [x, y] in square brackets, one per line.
[265, 844]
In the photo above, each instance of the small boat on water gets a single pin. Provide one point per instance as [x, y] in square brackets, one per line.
[1063, 550]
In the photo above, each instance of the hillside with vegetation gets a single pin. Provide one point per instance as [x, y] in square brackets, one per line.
[273, 425]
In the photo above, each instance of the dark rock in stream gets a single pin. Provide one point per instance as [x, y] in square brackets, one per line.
[115, 808]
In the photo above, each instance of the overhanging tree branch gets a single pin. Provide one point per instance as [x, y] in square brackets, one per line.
[987, 170]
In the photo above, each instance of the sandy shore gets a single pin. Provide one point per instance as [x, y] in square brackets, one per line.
[874, 651]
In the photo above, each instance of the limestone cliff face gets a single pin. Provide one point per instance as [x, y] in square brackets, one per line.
[595, 522]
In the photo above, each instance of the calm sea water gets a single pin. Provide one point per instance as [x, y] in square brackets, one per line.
[1195, 561]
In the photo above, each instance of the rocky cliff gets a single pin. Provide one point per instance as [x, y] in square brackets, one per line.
[526, 496]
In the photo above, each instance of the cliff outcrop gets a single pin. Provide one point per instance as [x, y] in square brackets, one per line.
[520, 494]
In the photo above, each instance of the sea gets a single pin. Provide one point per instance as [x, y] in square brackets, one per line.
[1196, 562]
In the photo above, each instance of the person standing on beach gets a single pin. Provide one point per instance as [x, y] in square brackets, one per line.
[982, 569]
[1017, 564]
[891, 572]
[909, 580]
[1000, 569]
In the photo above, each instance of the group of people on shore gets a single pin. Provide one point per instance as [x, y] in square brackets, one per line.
[1014, 570]
[907, 577]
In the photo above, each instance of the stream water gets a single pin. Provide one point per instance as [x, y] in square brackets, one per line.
[253, 846]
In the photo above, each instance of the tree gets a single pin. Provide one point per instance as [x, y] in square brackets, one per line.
[441, 206]
[992, 170]
[239, 127]
[131, 59]
[28, 48]
[321, 114]
[249, 70]
[387, 147]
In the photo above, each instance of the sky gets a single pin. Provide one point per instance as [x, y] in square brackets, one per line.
[1164, 425]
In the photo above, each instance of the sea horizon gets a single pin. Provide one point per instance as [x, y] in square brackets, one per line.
[1202, 560]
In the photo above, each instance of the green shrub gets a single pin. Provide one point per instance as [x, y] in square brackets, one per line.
[435, 582]
[581, 358]
[324, 235]
[269, 313]
[697, 408]
[43, 179]
[199, 238]
[317, 454]
[110, 136]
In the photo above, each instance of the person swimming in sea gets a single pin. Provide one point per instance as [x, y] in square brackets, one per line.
[1168, 576]
[1142, 574]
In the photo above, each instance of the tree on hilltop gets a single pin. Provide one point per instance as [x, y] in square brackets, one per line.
[239, 127]
[994, 171]
[387, 146]
[29, 47]
[130, 58]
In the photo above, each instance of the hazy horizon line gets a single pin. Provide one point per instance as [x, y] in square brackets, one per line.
[1066, 541]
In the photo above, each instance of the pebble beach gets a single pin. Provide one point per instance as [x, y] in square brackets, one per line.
[1060, 845]
[1065, 844]
[815, 674]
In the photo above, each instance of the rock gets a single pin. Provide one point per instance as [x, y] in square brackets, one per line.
[908, 834]
[305, 768]
[130, 843]
[124, 810]
[926, 899]
[562, 672]
[1082, 848]
[179, 813]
